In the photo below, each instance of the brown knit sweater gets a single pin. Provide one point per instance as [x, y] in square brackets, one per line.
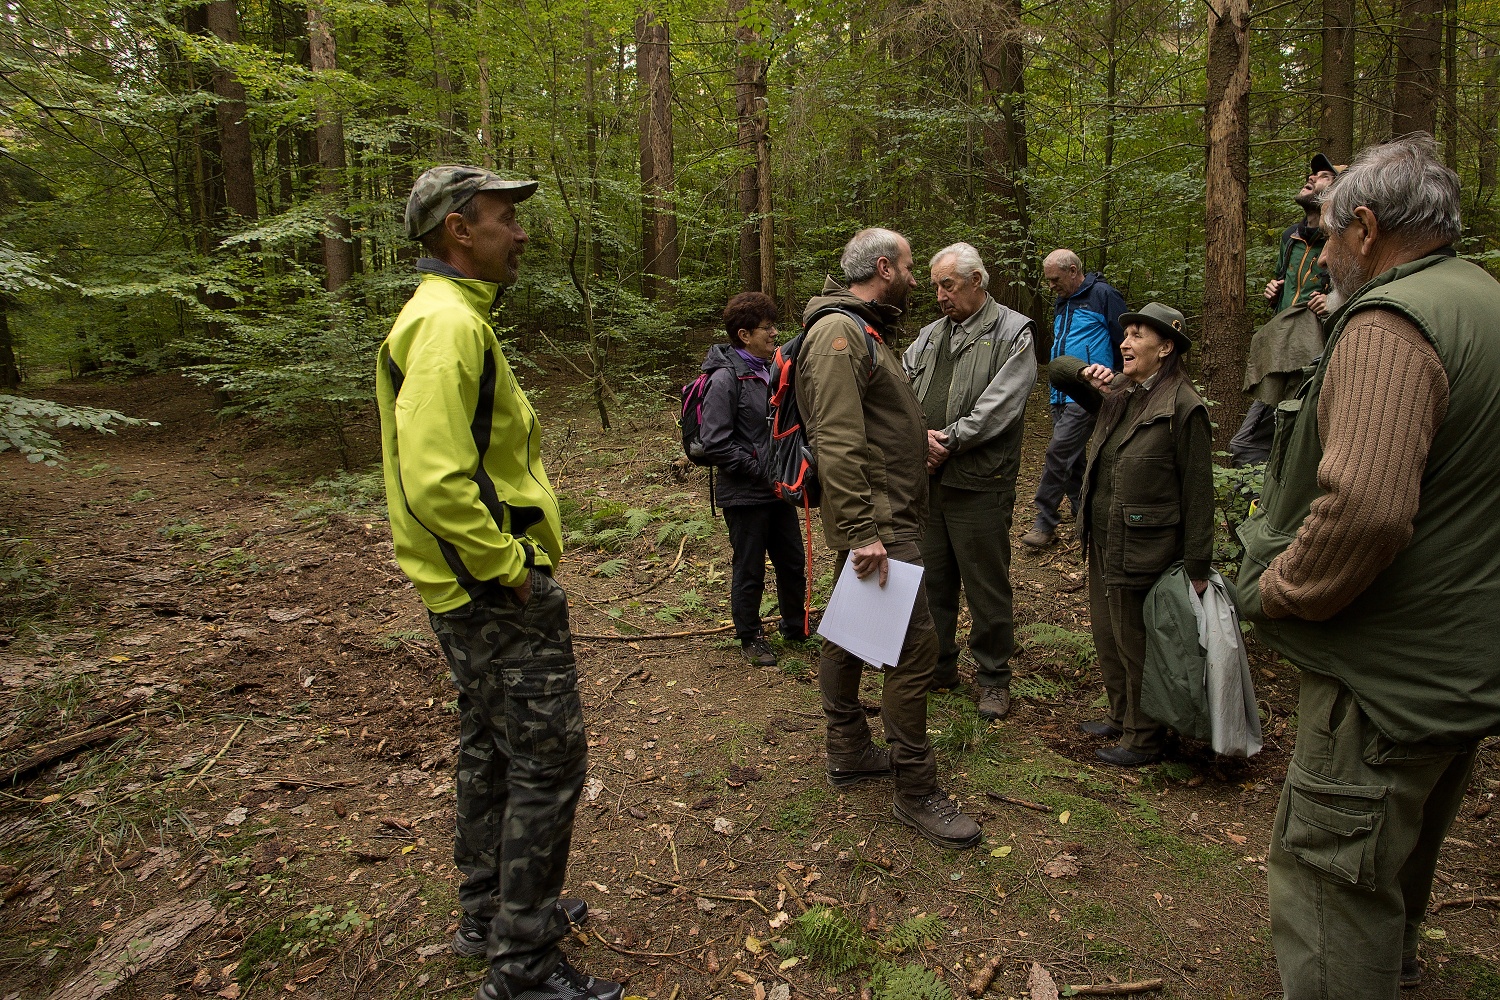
[1384, 395]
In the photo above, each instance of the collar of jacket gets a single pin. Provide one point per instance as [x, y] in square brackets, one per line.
[1157, 405]
[479, 294]
[883, 317]
[1088, 282]
[961, 335]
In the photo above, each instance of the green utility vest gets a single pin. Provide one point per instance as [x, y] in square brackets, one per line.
[1420, 647]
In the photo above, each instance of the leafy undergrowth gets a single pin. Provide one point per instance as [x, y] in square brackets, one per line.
[265, 724]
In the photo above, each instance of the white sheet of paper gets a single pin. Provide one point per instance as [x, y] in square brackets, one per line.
[867, 619]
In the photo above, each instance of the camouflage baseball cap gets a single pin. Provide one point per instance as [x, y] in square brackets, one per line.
[448, 188]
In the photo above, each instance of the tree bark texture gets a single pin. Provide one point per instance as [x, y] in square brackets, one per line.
[338, 247]
[10, 371]
[235, 149]
[1111, 93]
[1419, 46]
[757, 249]
[206, 198]
[1450, 84]
[1002, 68]
[653, 59]
[1336, 124]
[1226, 330]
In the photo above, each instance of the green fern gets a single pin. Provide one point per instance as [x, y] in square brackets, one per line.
[907, 982]
[913, 933]
[829, 937]
[610, 568]
[785, 947]
[636, 519]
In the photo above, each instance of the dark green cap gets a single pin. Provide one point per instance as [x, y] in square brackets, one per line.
[1164, 320]
[448, 188]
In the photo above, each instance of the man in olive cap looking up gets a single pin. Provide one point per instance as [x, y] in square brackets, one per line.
[477, 529]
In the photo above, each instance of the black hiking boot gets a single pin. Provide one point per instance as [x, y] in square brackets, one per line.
[472, 938]
[565, 983]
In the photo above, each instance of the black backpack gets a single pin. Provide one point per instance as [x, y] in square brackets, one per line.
[692, 418]
[788, 463]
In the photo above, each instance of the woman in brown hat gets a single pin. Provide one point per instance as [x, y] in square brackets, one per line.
[1148, 501]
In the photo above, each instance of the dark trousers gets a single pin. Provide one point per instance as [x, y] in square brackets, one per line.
[968, 544]
[755, 531]
[1062, 471]
[903, 703]
[522, 754]
[1117, 616]
[1354, 848]
[1251, 444]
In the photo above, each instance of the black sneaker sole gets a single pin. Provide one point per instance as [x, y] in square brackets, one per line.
[855, 777]
[949, 842]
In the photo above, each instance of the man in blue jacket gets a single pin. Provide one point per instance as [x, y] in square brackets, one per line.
[1086, 325]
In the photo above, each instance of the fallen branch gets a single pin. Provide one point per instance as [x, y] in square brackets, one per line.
[985, 976]
[659, 580]
[674, 955]
[222, 751]
[138, 945]
[1115, 989]
[1023, 803]
[1466, 901]
[65, 746]
[648, 636]
[707, 895]
[616, 685]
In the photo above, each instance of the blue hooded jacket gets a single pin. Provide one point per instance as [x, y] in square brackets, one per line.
[1086, 325]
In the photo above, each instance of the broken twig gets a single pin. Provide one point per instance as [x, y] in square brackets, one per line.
[1023, 803]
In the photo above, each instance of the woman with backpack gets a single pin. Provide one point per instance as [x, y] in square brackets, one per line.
[733, 432]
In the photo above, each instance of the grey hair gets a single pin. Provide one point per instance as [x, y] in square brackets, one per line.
[1413, 195]
[864, 250]
[965, 261]
[1065, 259]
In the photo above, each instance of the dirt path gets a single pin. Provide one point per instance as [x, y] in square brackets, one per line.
[284, 733]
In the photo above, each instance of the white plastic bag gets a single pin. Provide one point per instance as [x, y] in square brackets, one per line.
[1231, 693]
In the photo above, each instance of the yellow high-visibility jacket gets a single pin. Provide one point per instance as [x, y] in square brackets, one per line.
[470, 504]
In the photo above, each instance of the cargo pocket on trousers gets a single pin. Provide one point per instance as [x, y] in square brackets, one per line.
[543, 714]
[1333, 827]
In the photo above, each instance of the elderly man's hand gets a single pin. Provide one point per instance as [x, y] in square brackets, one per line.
[1099, 376]
[1273, 289]
[937, 450]
[1318, 304]
[869, 558]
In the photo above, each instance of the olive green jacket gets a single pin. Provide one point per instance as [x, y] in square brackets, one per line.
[1161, 507]
[1418, 646]
[994, 370]
[867, 430]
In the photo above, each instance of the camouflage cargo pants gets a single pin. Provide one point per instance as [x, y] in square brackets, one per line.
[521, 760]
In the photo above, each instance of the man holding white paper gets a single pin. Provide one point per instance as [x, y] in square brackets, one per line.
[869, 439]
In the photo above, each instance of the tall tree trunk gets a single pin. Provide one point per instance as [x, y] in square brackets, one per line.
[207, 202]
[1002, 67]
[338, 247]
[1111, 91]
[10, 372]
[1336, 124]
[757, 249]
[658, 177]
[235, 149]
[1450, 83]
[1419, 46]
[1226, 328]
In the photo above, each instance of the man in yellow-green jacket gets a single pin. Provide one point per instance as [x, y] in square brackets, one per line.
[476, 528]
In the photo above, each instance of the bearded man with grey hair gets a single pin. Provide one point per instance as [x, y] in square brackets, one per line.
[972, 371]
[1373, 564]
[869, 440]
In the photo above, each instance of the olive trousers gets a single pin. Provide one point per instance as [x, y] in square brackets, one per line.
[1117, 616]
[903, 702]
[1354, 847]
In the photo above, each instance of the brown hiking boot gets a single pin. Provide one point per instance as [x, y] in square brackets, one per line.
[939, 819]
[871, 764]
[1036, 538]
[994, 703]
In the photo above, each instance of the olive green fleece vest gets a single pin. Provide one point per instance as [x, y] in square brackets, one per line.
[1420, 647]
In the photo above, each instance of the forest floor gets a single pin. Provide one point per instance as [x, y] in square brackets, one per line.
[229, 737]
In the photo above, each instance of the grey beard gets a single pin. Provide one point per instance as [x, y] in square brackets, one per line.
[1335, 299]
